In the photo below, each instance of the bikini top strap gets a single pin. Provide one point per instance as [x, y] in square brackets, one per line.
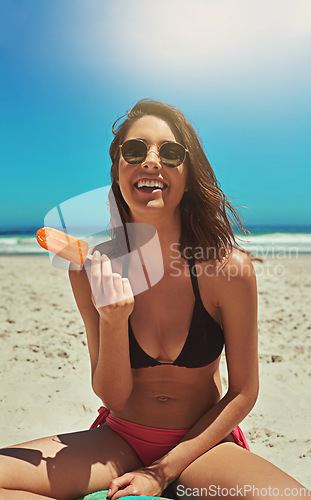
[193, 276]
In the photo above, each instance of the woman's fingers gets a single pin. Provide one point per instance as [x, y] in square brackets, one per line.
[128, 491]
[138, 482]
[115, 484]
[118, 287]
[96, 274]
[107, 287]
[127, 290]
[107, 280]
[120, 482]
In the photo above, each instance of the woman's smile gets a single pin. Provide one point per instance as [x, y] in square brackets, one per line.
[150, 184]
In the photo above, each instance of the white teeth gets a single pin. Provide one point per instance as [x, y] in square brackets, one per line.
[151, 183]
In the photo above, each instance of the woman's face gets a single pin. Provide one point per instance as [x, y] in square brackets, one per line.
[142, 200]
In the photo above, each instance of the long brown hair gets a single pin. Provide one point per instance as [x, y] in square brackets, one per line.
[207, 216]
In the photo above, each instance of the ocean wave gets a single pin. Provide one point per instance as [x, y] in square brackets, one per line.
[277, 242]
[263, 243]
[28, 245]
[277, 237]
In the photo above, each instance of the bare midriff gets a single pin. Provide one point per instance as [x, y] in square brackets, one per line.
[172, 397]
[166, 396]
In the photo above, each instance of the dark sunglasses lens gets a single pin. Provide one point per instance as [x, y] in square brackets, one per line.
[134, 151]
[172, 154]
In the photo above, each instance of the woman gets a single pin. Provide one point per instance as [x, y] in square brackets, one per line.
[155, 358]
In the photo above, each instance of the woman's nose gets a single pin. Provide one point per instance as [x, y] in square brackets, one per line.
[152, 159]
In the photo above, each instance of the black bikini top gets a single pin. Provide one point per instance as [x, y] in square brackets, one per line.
[204, 342]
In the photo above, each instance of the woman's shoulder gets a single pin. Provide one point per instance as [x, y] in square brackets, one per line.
[235, 264]
[229, 281]
[231, 276]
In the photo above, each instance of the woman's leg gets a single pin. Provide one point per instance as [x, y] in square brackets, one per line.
[66, 466]
[229, 466]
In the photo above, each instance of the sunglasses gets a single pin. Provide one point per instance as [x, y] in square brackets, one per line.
[171, 154]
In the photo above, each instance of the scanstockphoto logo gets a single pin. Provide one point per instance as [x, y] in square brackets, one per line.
[245, 490]
[90, 224]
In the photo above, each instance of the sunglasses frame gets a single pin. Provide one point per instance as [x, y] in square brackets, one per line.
[148, 146]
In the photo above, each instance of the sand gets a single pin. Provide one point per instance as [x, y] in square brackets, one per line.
[45, 374]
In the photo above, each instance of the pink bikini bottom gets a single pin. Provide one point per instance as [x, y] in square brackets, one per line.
[151, 443]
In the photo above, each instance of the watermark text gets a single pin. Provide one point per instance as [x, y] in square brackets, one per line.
[246, 490]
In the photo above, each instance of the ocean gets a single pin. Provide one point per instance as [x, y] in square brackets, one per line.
[262, 240]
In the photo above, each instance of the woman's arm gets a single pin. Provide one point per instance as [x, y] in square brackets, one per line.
[237, 292]
[106, 328]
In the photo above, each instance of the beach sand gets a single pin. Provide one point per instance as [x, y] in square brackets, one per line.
[45, 374]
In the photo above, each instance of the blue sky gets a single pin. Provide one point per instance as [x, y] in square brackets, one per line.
[239, 70]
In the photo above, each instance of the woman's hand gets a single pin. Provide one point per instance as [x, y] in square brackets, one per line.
[111, 294]
[147, 481]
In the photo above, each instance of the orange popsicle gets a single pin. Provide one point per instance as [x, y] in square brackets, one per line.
[64, 245]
